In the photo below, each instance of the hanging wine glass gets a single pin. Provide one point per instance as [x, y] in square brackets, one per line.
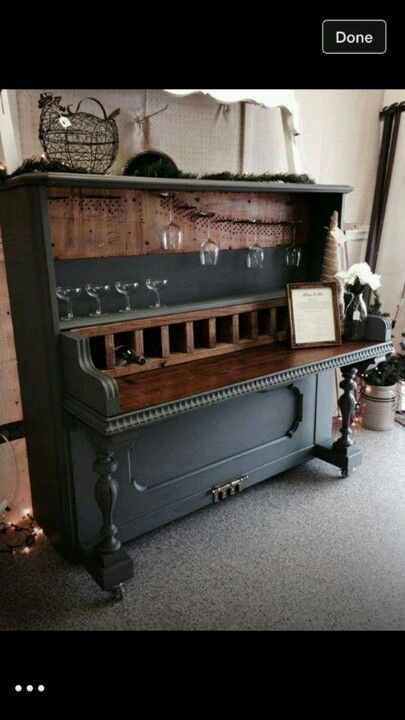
[293, 252]
[125, 288]
[293, 256]
[255, 255]
[67, 294]
[209, 249]
[97, 292]
[156, 286]
[172, 236]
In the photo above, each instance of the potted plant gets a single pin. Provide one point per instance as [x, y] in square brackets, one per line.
[354, 280]
[379, 393]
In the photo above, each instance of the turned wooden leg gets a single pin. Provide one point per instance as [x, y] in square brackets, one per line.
[107, 562]
[105, 492]
[347, 404]
[344, 452]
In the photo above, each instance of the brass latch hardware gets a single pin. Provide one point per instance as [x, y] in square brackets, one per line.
[224, 491]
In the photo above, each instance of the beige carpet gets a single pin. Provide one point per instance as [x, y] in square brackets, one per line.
[305, 550]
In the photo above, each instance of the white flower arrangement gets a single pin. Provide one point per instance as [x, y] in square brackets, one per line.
[359, 275]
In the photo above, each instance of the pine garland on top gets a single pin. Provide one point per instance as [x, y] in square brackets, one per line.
[263, 177]
[153, 163]
[157, 165]
[38, 164]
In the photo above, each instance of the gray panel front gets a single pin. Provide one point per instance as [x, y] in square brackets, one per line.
[176, 460]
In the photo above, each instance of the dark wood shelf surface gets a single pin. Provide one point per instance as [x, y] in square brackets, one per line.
[165, 385]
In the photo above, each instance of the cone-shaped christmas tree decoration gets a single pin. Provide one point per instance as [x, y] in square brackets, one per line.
[332, 260]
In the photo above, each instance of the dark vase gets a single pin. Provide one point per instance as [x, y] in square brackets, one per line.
[355, 315]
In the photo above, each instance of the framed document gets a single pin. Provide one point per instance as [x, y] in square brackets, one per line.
[314, 314]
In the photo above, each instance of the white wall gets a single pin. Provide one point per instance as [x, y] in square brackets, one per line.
[391, 259]
[339, 143]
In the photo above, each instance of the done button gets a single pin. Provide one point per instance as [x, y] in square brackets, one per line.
[349, 37]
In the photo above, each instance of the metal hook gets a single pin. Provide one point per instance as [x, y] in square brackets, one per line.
[166, 195]
[201, 214]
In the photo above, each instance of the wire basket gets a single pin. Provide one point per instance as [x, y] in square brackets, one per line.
[79, 140]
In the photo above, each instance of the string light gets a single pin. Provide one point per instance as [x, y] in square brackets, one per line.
[19, 537]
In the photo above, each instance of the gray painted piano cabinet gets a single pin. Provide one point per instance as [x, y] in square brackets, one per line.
[216, 402]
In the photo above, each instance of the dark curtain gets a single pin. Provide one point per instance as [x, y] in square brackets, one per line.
[391, 117]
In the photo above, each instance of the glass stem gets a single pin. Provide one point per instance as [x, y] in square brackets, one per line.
[158, 298]
[98, 311]
[128, 304]
[70, 308]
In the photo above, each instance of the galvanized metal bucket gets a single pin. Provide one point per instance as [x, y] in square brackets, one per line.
[379, 405]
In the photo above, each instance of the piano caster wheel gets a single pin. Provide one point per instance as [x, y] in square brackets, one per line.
[117, 593]
[345, 473]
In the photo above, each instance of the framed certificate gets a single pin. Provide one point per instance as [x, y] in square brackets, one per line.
[314, 314]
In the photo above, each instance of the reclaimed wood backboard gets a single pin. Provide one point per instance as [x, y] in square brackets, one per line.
[87, 223]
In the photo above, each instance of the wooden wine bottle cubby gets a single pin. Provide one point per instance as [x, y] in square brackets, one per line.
[182, 337]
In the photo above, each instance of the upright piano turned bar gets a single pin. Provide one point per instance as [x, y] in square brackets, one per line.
[221, 401]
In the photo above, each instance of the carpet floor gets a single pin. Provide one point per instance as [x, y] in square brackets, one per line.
[305, 550]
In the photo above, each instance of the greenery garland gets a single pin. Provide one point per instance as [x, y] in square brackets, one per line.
[40, 164]
[154, 164]
[263, 177]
